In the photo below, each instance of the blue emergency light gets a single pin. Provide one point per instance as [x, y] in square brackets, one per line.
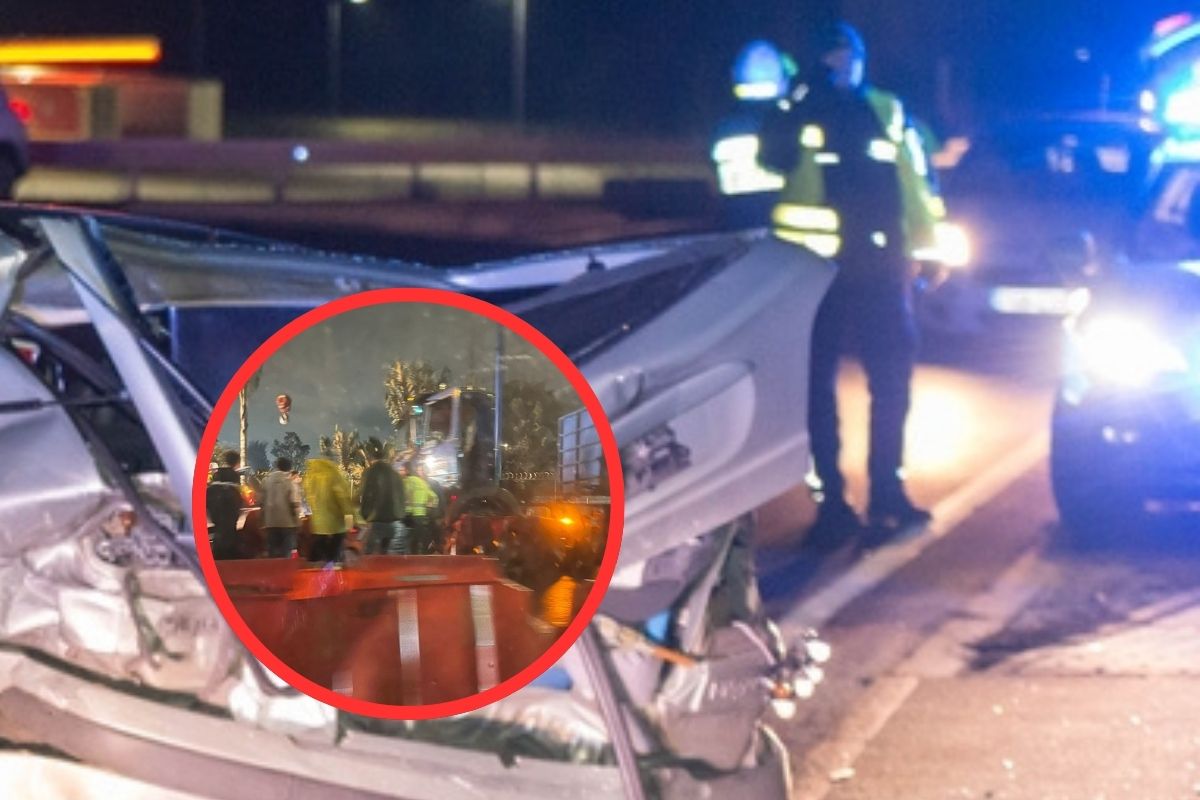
[1173, 55]
[1181, 105]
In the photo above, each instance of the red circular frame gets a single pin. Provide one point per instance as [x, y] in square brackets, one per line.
[612, 461]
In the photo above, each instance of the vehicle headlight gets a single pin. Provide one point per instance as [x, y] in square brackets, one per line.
[1126, 351]
[951, 246]
[953, 243]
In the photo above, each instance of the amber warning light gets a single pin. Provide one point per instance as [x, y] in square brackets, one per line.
[90, 50]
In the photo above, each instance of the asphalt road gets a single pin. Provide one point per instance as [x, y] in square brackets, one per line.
[989, 656]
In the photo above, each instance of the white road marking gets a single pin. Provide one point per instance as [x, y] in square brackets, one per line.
[409, 638]
[946, 653]
[876, 567]
[487, 665]
[837, 753]
[942, 653]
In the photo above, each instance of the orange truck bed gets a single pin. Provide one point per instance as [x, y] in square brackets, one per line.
[400, 630]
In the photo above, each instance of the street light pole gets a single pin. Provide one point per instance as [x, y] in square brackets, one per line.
[520, 15]
[498, 401]
[334, 78]
[199, 22]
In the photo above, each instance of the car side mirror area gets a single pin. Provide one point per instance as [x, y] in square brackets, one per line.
[1075, 257]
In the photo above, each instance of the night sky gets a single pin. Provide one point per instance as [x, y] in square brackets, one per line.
[334, 371]
[658, 66]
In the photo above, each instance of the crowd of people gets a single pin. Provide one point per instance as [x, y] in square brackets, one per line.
[400, 510]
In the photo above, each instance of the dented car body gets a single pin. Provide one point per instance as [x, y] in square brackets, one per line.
[118, 677]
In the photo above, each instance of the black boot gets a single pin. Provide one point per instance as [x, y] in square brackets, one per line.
[836, 524]
[891, 509]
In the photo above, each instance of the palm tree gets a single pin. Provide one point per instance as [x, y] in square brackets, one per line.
[405, 383]
[243, 412]
[345, 449]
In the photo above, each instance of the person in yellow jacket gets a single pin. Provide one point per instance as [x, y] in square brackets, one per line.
[421, 501]
[328, 495]
[858, 190]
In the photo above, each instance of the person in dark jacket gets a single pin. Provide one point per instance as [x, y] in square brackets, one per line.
[224, 505]
[382, 506]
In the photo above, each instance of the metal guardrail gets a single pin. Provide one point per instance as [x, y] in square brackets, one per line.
[495, 169]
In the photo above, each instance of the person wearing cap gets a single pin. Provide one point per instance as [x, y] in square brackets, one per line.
[857, 190]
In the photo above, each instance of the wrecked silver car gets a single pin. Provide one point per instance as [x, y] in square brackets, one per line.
[118, 677]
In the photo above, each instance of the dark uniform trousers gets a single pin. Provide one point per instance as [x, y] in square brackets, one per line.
[869, 307]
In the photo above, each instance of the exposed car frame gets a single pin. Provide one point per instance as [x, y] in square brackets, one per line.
[704, 329]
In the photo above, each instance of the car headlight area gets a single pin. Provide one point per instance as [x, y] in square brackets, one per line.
[1121, 351]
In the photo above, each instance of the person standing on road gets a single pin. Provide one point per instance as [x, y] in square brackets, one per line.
[224, 503]
[281, 509]
[14, 148]
[857, 190]
[382, 506]
[419, 500]
[436, 513]
[328, 494]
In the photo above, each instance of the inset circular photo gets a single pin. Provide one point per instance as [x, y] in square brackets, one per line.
[408, 503]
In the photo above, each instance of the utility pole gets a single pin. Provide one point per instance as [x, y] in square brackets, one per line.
[199, 33]
[498, 392]
[334, 56]
[520, 23]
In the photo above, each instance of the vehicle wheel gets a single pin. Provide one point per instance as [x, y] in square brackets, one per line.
[1095, 511]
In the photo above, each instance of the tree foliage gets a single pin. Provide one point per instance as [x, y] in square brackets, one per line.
[256, 456]
[345, 449]
[530, 427]
[219, 449]
[291, 448]
[404, 384]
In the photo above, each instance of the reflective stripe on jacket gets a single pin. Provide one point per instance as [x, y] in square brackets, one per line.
[802, 214]
[418, 496]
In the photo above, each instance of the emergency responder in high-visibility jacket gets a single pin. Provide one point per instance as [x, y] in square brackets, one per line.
[762, 75]
[857, 190]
